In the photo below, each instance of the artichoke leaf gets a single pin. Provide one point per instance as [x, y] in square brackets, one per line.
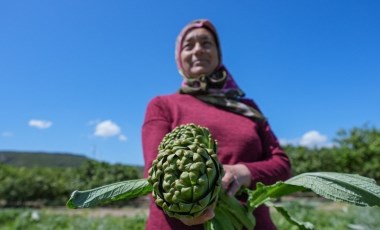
[124, 190]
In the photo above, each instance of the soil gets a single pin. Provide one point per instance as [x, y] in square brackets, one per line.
[100, 212]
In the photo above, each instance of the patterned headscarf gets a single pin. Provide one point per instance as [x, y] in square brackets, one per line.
[218, 88]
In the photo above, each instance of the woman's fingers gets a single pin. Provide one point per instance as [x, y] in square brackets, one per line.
[235, 176]
[227, 180]
[234, 187]
[230, 183]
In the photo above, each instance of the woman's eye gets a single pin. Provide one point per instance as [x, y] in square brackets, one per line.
[187, 47]
[207, 44]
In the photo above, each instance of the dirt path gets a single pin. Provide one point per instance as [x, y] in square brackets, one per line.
[100, 212]
[143, 208]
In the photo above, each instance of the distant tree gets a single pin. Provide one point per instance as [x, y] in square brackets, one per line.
[94, 173]
[360, 150]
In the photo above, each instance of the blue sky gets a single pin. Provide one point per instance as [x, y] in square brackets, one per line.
[76, 76]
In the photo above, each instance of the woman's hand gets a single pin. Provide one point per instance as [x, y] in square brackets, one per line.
[235, 176]
[208, 214]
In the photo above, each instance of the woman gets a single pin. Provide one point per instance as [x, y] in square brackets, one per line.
[247, 148]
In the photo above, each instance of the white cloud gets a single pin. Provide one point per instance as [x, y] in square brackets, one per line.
[313, 139]
[123, 138]
[40, 124]
[7, 134]
[107, 129]
[310, 139]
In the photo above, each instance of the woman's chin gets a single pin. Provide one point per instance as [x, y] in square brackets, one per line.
[199, 72]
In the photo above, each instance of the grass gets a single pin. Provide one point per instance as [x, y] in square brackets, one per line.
[20, 219]
[324, 215]
[329, 215]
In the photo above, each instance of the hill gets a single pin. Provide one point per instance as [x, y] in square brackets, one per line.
[41, 159]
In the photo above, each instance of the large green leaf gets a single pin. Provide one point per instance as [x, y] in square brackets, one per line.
[349, 188]
[122, 190]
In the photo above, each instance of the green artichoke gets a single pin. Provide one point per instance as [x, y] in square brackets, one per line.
[186, 175]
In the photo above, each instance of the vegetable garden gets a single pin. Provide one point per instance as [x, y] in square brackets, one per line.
[185, 179]
[357, 151]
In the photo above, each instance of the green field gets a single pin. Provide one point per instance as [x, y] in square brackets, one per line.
[324, 215]
[329, 215]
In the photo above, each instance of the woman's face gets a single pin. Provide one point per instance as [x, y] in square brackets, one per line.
[199, 53]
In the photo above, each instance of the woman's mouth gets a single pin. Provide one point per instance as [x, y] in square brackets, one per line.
[200, 62]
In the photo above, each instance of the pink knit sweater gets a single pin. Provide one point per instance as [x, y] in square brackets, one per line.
[240, 140]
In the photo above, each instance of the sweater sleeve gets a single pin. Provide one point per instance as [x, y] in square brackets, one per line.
[156, 125]
[275, 164]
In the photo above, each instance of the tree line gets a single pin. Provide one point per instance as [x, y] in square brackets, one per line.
[354, 151]
[49, 186]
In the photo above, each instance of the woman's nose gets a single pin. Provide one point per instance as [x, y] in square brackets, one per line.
[198, 49]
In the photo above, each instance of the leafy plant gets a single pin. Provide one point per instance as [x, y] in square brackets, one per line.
[179, 151]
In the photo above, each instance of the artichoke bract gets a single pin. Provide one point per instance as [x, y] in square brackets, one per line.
[186, 175]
